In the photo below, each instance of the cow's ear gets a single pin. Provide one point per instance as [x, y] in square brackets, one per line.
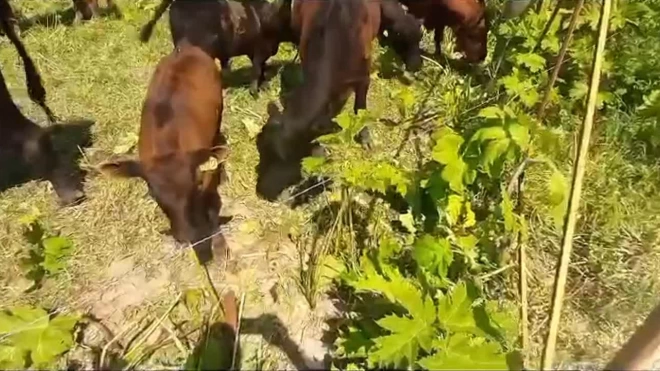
[121, 169]
[210, 159]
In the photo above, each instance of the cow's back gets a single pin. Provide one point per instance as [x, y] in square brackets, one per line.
[183, 107]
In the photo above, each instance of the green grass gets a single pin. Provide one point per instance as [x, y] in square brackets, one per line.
[99, 71]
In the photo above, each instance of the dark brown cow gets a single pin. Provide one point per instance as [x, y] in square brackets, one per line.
[467, 18]
[86, 9]
[179, 137]
[404, 33]
[227, 29]
[335, 49]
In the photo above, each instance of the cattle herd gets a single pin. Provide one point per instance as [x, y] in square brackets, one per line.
[181, 151]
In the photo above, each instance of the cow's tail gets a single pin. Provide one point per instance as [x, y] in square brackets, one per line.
[148, 29]
[35, 86]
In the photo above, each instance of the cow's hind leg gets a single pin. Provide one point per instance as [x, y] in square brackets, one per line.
[364, 136]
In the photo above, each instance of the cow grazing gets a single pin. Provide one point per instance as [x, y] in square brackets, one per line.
[23, 138]
[467, 18]
[404, 33]
[254, 28]
[179, 137]
[335, 49]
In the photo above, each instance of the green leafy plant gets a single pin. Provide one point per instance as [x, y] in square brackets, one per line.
[46, 255]
[30, 337]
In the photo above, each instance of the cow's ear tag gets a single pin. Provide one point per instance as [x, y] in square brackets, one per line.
[210, 165]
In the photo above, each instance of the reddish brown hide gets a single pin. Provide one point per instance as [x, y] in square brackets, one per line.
[467, 18]
[179, 137]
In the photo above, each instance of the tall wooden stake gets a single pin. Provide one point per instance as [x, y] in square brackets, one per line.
[576, 190]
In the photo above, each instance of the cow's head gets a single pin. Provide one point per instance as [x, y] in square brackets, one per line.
[177, 184]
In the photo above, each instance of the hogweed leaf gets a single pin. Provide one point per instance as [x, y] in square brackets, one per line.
[465, 353]
[56, 250]
[455, 311]
[433, 254]
[447, 146]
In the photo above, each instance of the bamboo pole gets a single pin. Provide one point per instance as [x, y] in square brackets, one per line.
[576, 190]
[560, 58]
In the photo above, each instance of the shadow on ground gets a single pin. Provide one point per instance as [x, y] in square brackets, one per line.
[215, 350]
[68, 139]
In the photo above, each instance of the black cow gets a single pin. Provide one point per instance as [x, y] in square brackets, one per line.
[22, 138]
[226, 29]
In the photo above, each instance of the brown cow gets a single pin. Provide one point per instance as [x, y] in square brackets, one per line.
[467, 18]
[335, 48]
[179, 137]
[228, 29]
[86, 9]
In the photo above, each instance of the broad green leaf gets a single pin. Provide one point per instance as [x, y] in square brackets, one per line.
[56, 339]
[492, 112]
[313, 164]
[494, 150]
[454, 209]
[453, 173]
[455, 311]
[407, 336]
[12, 358]
[433, 254]
[56, 251]
[532, 61]
[520, 135]
[558, 196]
[489, 133]
[465, 353]
[578, 91]
[31, 331]
[505, 318]
[447, 146]
[23, 319]
[395, 288]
